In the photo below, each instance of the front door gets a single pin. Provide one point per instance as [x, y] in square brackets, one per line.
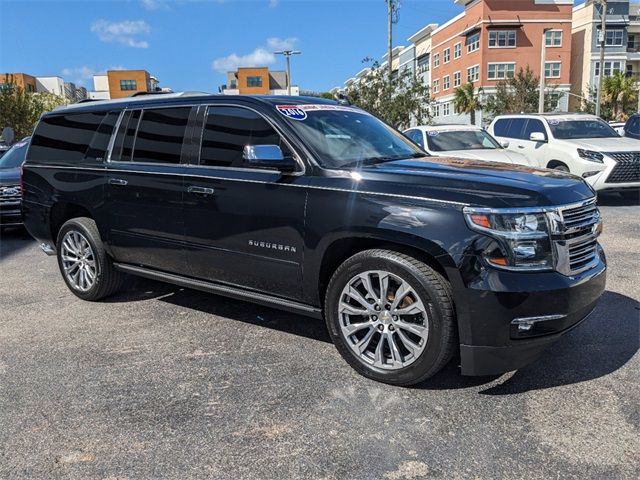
[145, 189]
[244, 226]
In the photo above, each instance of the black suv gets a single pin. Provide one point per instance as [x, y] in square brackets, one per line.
[318, 208]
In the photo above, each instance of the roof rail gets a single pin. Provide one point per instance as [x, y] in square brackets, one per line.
[177, 94]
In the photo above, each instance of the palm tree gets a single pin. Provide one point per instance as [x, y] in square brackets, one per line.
[466, 99]
[620, 92]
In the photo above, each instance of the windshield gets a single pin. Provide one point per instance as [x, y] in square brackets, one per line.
[343, 136]
[591, 128]
[460, 140]
[15, 155]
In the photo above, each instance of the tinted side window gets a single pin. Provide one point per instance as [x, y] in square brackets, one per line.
[161, 135]
[416, 136]
[124, 138]
[534, 125]
[226, 132]
[501, 127]
[64, 137]
[100, 141]
[516, 128]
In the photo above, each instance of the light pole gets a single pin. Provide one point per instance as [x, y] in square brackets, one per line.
[543, 65]
[603, 33]
[287, 54]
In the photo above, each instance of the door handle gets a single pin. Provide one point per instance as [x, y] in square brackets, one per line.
[520, 146]
[200, 190]
[117, 181]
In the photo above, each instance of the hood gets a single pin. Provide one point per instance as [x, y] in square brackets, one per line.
[9, 176]
[495, 155]
[478, 183]
[619, 144]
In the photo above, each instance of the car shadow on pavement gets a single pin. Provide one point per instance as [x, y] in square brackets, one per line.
[12, 240]
[605, 342]
[143, 289]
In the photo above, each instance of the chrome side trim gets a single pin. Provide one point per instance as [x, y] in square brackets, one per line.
[225, 290]
[545, 209]
[314, 187]
[48, 249]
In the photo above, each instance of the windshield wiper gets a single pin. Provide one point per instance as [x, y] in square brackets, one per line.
[382, 159]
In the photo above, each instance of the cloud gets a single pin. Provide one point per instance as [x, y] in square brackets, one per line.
[262, 56]
[125, 32]
[273, 3]
[155, 4]
[82, 75]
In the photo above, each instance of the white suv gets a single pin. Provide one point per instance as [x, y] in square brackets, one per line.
[578, 143]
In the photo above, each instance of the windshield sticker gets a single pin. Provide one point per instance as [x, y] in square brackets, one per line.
[553, 121]
[299, 112]
[433, 133]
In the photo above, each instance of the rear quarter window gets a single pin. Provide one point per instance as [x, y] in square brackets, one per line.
[501, 127]
[65, 137]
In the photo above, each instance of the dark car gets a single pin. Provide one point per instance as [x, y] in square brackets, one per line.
[10, 190]
[321, 209]
[632, 126]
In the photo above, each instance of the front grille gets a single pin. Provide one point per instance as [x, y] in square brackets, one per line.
[627, 168]
[10, 194]
[577, 244]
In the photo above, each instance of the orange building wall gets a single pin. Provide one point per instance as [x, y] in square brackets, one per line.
[140, 76]
[243, 73]
[22, 80]
[528, 40]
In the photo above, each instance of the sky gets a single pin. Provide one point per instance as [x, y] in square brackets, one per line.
[190, 44]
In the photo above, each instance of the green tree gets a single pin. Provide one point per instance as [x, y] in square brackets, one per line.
[400, 101]
[466, 99]
[21, 110]
[519, 94]
[620, 93]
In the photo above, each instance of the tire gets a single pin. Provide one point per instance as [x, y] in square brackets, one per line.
[561, 168]
[79, 239]
[422, 326]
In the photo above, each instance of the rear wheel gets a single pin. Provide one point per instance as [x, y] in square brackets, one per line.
[391, 317]
[85, 266]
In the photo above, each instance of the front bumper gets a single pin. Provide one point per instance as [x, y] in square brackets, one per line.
[10, 214]
[615, 177]
[514, 317]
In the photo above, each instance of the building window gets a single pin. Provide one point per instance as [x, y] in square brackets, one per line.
[445, 82]
[456, 79]
[436, 86]
[435, 110]
[502, 38]
[609, 68]
[473, 42]
[554, 101]
[128, 85]
[446, 54]
[631, 42]
[457, 50]
[473, 73]
[613, 38]
[552, 70]
[500, 71]
[553, 38]
[436, 60]
[423, 63]
[254, 81]
[446, 109]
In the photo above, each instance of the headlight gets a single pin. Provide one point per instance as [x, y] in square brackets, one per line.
[523, 238]
[590, 155]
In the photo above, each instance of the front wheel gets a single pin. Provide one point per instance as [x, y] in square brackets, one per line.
[391, 317]
[85, 266]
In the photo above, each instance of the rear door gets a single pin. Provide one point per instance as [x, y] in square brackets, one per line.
[145, 188]
[244, 226]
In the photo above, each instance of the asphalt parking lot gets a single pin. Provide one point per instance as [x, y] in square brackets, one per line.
[163, 382]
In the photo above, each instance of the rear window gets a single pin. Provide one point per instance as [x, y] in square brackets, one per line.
[64, 137]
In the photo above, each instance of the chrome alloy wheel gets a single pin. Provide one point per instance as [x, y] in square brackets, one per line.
[383, 320]
[78, 261]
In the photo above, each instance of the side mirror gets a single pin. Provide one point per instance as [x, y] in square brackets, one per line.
[268, 156]
[504, 143]
[537, 137]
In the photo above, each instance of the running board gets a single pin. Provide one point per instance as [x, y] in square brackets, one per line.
[225, 290]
